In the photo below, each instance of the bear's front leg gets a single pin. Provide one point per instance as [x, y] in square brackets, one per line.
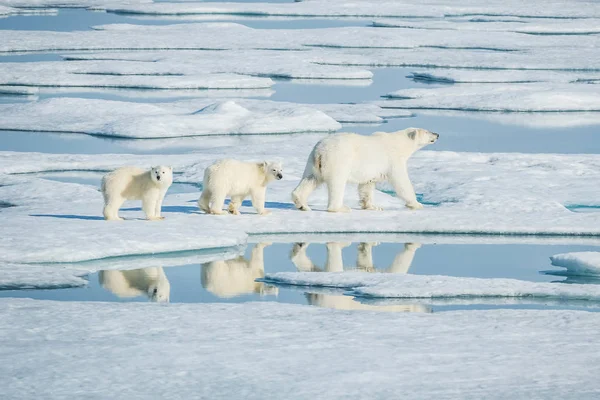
[149, 204]
[404, 188]
[158, 207]
[365, 194]
[258, 200]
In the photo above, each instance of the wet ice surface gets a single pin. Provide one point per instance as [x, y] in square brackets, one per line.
[233, 279]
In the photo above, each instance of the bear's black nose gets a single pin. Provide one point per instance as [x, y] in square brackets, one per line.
[279, 176]
[158, 177]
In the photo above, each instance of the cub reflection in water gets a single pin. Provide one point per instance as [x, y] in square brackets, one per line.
[236, 277]
[364, 262]
[150, 281]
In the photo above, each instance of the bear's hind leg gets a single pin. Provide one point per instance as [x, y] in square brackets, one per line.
[365, 194]
[336, 188]
[111, 209]
[234, 204]
[204, 201]
[300, 195]
[217, 200]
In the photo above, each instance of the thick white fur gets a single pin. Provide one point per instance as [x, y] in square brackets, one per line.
[366, 160]
[150, 281]
[238, 276]
[132, 183]
[364, 262]
[238, 180]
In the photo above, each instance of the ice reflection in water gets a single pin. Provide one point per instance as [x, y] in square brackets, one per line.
[364, 262]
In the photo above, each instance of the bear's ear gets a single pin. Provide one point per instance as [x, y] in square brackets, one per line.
[412, 134]
[265, 164]
[171, 168]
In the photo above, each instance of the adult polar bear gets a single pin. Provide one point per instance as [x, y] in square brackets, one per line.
[366, 160]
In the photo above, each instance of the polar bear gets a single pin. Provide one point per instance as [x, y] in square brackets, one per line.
[237, 179]
[230, 278]
[132, 183]
[366, 160]
[150, 281]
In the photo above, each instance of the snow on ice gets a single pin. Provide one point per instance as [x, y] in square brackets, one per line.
[178, 351]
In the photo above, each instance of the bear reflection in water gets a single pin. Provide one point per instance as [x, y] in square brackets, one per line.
[150, 281]
[236, 277]
[364, 262]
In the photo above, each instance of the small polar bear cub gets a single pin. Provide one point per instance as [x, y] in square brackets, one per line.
[366, 160]
[237, 179]
[132, 183]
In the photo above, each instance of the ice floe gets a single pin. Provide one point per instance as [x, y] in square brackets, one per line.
[330, 352]
[68, 3]
[120, 75]
[174, 119]
[6, 10]
[364, 8]
[503, 76]
[281, 64]
[582, 263]
[533, 97]
[24, 276]
[400, 285]
[531, 26]
[468, 193]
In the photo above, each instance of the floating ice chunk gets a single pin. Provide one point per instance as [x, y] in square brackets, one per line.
[532, 26]
[503, 76]
[364, 8]
[5, 10]
[119, 75]
[583, 263]
[68, 3]
[459, 183]
[183, 118]
[362, 284]
[23, 276]
[18, 91]
[534, 97]
[262, 63]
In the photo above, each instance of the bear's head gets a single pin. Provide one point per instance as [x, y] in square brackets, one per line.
[273, 170]
[160, 291]
[162, 175]
[421, 137]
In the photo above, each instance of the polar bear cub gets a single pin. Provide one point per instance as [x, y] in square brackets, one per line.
[237, 179]
[366, 160]
[132, 183]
